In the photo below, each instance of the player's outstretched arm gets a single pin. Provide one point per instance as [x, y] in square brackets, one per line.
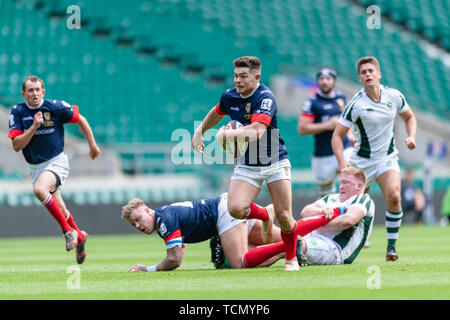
[312, 209]
[351, 217]
[210, 120]
[86, 130]
[411, 128]
[170, 262]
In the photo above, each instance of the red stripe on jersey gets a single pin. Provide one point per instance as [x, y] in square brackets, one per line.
[263, 118]
[175, 234]
[307, 115]
[219, 112]
[14, 133]
[76, 115]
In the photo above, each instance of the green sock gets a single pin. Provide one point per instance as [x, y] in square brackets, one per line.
[393, 222]
[226, 264]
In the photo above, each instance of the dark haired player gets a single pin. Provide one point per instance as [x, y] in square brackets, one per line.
[319, 117]
[254, 105]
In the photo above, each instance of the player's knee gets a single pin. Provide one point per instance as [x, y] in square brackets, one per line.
[40, 192]
[237, 211]
[284, 218]
[394, 198]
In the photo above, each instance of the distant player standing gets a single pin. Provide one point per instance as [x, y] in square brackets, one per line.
[36, 128]
[319, 117]
[253, 104]
[372, 111]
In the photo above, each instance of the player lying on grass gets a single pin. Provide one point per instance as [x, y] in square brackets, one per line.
[337, 242]
[196, 221]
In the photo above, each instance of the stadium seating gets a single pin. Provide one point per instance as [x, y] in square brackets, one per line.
[140, 70]
[430, 18]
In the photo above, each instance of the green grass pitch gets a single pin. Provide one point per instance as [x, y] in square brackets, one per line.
[39, 268]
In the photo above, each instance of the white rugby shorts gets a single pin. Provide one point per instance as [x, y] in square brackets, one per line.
[321, 250]
[325, 168]
[59, 165]
[374, 168]
[225, 221]
[256, 176]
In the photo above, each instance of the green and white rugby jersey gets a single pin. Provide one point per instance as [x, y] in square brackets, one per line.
[374, 122]
[352, 239]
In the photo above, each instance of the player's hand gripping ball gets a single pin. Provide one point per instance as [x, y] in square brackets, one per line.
[235, 147]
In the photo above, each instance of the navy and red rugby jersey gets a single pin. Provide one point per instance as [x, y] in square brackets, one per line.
[261, 106]
[188, 221]
[321, 109]
[48, 140]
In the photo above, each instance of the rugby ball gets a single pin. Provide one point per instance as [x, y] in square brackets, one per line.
[235, 148]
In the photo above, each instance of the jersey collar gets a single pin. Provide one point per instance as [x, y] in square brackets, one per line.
[34, 108]
[331, 96]
[250, 93]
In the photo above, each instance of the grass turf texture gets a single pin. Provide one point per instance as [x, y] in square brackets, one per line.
[37, 268]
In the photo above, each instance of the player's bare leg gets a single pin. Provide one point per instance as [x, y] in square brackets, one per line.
[390, 184]
[234, 244]
[44, 184]
[255, 236]
[241, 194]
[281, 194]
[42, 187]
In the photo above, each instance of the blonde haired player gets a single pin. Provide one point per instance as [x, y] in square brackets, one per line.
[372, 112]
[329, 242]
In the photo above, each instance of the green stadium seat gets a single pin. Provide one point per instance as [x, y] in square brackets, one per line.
[142, 91]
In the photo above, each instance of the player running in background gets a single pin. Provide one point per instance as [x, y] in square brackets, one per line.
[195, 221]
[253, 104]
[338, 241]
[36, 128]
[319, 117]
[372, 112]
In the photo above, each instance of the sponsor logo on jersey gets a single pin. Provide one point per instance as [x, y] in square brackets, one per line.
[248, 115]
[266, 104]
[389, 104]
[44, 131]
[162, 228]
[47, 122]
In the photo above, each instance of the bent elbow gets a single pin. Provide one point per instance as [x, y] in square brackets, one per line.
[16, 148]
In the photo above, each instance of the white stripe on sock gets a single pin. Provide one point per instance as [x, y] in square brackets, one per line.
[394, 216]
[393, 224]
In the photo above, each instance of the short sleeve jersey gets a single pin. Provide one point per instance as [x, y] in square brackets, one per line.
[374, 122]
[321, 109]
[189, 221]
[352, 239]
[261, 106]
[48, 140]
